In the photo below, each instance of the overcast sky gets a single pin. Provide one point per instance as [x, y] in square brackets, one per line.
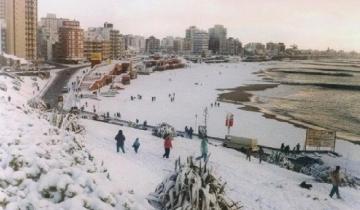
[316, 24]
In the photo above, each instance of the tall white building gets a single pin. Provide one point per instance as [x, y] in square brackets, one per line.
[197, 40]
[167, 44]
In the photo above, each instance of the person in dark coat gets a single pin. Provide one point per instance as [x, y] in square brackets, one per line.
[167, 145]
[186, 132]
[120, 139]
[287, 149]
[261, 154]
[282, 147]
[335, 179]
[298, 148]
[136, 145]
[248, 154]
[191, 131]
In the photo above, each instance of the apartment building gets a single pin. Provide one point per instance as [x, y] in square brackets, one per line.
[21, 28]
[48, 35]
[70, 47]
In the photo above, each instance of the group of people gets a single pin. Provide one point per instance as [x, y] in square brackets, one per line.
[260, 153]
[136, 97]
[172, 97]
[120, 142]
[216, 104]
[286, 149]
[189, 132]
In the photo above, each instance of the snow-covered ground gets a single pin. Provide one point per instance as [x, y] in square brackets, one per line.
[256, 186]
[43, 167]
[195, 88]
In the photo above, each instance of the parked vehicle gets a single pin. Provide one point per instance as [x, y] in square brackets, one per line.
[240, 143]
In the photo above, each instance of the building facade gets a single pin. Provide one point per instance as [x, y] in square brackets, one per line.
[179, 45]
[254, 48]
[152, 45]
[275, 49]
[197, 40]
[217, 39]
[117, 48]
[21, 27]
[70, 47]
[233, 47]
[48, 35]
[95, 42]
[167, 44]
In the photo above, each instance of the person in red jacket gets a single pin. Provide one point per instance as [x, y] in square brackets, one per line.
[167, 145]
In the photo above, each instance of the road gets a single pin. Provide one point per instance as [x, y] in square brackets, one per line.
[55, 89]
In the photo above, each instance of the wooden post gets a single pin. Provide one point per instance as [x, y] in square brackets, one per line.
[306, 139]
[334, 142]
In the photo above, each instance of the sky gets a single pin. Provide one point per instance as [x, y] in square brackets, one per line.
[315, 24]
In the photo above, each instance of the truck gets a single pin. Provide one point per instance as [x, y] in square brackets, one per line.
[240, 143]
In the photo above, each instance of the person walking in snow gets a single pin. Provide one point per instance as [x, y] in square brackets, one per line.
[248, 154]
[186, 132]
[335, 179]
[120, 140]
[191, 131]
[136, 145]
[261, 153]
[167, 145]
[282, 147]
[204, 149]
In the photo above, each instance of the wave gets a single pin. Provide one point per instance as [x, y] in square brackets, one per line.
[340, 74]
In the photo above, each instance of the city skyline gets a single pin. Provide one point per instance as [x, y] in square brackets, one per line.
[309, 25]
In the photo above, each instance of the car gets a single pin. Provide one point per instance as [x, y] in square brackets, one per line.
[65, 89]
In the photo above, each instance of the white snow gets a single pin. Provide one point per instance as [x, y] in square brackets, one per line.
[256, 186]
[44, 167]
[191, 100]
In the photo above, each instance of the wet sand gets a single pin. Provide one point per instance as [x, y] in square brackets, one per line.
[241, 94]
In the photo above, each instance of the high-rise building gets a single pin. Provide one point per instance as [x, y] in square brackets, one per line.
[275, 49]
[31, 8]
[48, 35]
[116, 41]
[2, 36]
[70, 47]
[179, 45]
[2, 9]
[254, 48]
[217, 39]
[196, 41]
[2, 27]
[167, 44]
[95, 42]
[21, 22]
[152, 45]
[233, 46]
[135, 43]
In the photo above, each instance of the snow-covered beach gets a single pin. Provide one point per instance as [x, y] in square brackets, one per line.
[195, 89]
[84, 171]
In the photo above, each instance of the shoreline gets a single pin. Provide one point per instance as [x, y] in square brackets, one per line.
[241, 96]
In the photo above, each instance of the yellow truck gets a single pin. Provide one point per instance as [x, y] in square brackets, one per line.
[240, 143]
